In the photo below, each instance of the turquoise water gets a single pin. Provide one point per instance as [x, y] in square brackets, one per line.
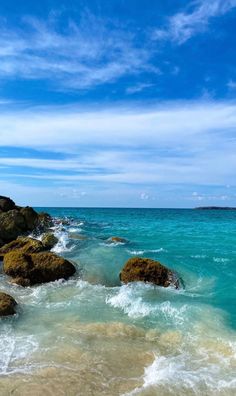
[92, 335]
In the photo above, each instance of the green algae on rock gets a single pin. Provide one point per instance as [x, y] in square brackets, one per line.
[31, 269]
[49, 240]
[26, 245]
[146, 270]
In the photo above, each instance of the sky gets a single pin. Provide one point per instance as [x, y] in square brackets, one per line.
[116, 103]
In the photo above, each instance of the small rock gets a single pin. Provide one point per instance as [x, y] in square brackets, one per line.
[146, 270]
[117, 240]
[49, 240]
[7, 305]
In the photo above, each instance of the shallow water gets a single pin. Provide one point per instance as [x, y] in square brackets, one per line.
[93, 336]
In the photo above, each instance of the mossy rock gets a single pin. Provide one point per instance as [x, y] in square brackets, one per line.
[49, 240]
[7, 305]
[37, 267]
[146, 270]
[12, 224]
[24, 244]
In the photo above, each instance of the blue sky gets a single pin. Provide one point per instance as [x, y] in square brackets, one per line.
[118, 103]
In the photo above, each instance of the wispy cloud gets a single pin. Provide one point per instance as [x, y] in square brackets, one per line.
[187, 143]
[195, 19]
[138, 88]
[78, 56]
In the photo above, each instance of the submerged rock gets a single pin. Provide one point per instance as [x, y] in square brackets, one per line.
[7, 305]
[115, 239]
[49, 240]
[24, 244]
[30, 269]
[147, 270]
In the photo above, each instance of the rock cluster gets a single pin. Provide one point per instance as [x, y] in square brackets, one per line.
[147, 270]
[27, 260]
[16, 220]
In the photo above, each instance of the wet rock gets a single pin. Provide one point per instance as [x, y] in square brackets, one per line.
[49, 240]
[117, 240]
[37, 267]
[7, 305]
[24, 244]
[147, 270]
[6, 204]
[44, 221]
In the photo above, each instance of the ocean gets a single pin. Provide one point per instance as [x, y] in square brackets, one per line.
[91, 335]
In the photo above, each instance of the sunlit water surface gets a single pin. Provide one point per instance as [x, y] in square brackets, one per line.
[93, 336]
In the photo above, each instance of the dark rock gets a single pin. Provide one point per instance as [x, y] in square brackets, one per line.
[147, 270]
[6, 204]
[12, 224]
[37, 267]
[31, 217]
[49, 240]
[1, 243]
[7, 305]
[24, 244]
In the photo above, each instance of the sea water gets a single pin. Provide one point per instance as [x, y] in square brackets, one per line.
[91, 335]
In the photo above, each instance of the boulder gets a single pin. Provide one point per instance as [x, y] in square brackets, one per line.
[7, 305]
[146, 270]
[31, 269]
[12, 224]
[6, 204]
[31, 217]
[24, 244]
[49, 240]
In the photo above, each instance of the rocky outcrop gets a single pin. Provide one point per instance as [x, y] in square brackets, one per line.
[24, 244]
[16, 221]
[7, 305]
[6, 204]
[147, 270]
[30, 269]
[49, 241]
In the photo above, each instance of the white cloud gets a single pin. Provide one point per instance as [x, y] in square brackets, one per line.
[188, 143]
[231, 84]
[184, 25]
[85, 54]
[138, 88]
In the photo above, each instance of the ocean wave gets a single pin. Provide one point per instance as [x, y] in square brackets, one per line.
[142, 252]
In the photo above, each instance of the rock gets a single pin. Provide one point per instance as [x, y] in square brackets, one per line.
[12, 224]
[6, 204]
[24, 244]
[44, 221]
[7, 305]
[31, 217]
[147, 270]
[49, 241]
[1, 243]
[36, 268]
[117, 240]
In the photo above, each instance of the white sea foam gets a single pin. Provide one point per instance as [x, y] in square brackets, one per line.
[145, 251]
[62, 244]
[220, 260]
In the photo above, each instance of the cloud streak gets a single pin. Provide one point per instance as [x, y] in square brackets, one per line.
[80, 56]
[184, 25]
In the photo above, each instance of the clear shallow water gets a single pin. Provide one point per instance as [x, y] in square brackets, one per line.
[93, 336]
